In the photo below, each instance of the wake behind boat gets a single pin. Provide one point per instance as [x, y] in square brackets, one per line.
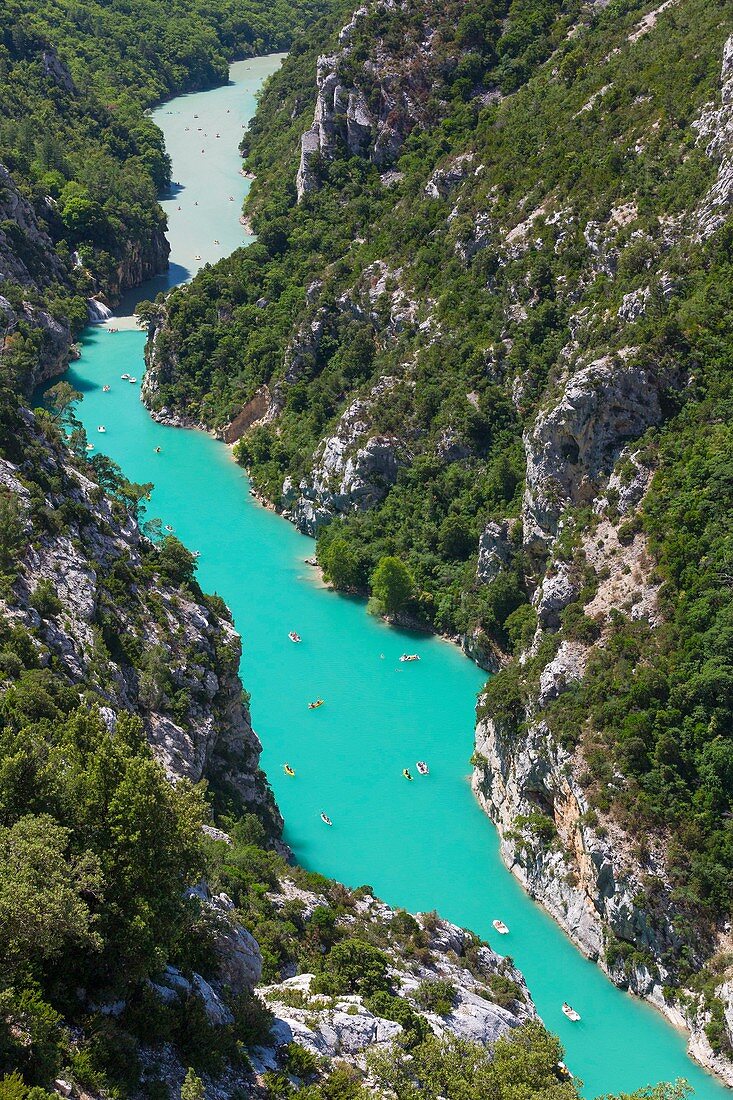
[570, 1012]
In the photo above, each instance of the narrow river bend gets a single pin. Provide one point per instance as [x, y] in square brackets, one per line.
[423, 845]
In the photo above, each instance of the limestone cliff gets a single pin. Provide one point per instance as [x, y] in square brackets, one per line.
[124, 626]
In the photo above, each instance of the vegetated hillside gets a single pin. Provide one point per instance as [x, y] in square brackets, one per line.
[125, 752]
[80, 162]
[125, 743]
[484, 332]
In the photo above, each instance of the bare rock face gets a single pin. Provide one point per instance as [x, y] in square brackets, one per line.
[353, 469]
[558, 589]
[573, 446]
[495, 551]
[588, 883]
[447, 178]
[715, 128]
[54, 68]
[371, 117]
[263, 407]
[238, 953]
[586, 877]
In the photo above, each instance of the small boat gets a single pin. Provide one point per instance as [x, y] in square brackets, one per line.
[125, 377]
[406, 773]
[564, 1071]
[101, 428]
[500, 927]
[90, 446]
[196, 553]
[326, 819]
[157, 450]
[197, 257]
[422, 767]
[570, 1012]
[168, 527]
[288, 770]
[105, 389]
[216, 242]
[294, 637]
[132, 381]
[409, 657]
[318, 703]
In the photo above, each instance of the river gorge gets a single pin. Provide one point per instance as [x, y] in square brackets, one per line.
[423, 845]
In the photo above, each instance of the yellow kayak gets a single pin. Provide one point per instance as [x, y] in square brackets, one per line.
[288, 770]
[318, 703]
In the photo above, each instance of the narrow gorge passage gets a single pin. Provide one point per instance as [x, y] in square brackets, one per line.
[425, 845]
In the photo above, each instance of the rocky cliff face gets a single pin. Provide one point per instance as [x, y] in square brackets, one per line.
[366, 108]
[486, 996]
[588, 875]
[353, 469]
[348, 1029]
[29, 266]
[88, 590]
[613, 897]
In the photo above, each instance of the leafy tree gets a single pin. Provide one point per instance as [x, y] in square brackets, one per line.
[60, 400]
[341, 565]
[392, 584]
[192, 1087]
[353, 966]
[45, 894]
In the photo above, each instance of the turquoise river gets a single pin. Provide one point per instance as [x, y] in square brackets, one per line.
[423, 845]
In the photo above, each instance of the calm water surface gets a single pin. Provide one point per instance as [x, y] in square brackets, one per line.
[424, 845]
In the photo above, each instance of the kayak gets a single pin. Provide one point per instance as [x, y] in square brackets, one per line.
[326, 819]
[318, 703]
[288, 770]
[500, 927]
[406, 774]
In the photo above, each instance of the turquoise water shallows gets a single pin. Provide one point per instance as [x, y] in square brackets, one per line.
[425, 844]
